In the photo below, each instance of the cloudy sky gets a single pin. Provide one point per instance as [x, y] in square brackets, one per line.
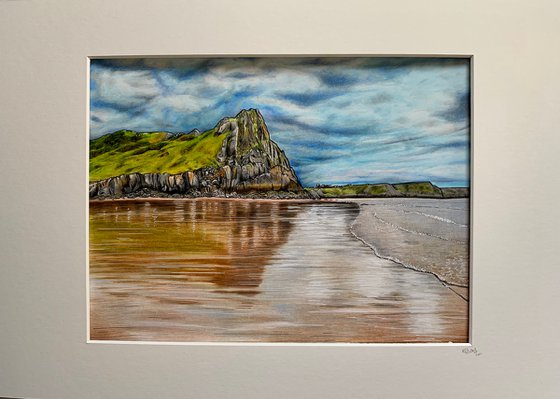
[339, 120]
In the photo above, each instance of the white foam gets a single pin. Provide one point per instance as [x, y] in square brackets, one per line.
[439, 218]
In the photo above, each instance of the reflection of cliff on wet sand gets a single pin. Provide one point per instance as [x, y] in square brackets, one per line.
[227, 243]
[254, 271]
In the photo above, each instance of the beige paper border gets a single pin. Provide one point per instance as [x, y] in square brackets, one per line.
[44, 47]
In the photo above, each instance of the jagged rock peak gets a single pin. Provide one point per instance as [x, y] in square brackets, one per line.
[250, 113]
[248, 123]
[246, 132]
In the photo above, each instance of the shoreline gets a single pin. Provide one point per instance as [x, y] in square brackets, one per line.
[459, 289]
[451, 286]
[237, 199]
[347, 200]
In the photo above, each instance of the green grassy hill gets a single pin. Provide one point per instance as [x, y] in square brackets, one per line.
[127, 151]
[355, 190]
[418, 189]
[412, 189]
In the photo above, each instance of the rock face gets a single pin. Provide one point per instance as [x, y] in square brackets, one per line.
[249, 162]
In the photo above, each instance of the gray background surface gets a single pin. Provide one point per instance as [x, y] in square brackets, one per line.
[43, 199]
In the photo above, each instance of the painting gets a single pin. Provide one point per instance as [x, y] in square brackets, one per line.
[279, 199]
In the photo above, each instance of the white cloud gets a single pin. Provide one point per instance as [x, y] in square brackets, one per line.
[103, 120]
[124, 88]
[182, 103]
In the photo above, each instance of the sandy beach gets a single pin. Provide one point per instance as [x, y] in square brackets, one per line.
[427, 235]
[264, 271]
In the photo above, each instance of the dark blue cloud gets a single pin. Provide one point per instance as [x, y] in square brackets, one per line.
[461, 109]
[132, 111]
[338, 80]
[309, 98]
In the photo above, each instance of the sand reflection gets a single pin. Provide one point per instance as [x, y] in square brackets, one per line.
[253, 271]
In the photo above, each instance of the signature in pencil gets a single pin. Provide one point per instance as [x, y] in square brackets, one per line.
[471, 350]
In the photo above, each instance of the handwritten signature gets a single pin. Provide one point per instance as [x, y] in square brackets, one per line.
[467, 351]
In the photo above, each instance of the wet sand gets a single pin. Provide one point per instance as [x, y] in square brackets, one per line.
[429, 235]
[255, 271]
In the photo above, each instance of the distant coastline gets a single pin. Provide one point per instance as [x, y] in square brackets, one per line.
[423, 189]
[382, 190]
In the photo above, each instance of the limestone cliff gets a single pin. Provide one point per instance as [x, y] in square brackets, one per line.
[248, 162]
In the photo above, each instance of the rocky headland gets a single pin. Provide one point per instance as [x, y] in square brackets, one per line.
[247, 164]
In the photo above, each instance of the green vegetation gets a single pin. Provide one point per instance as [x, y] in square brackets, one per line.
[455, 192]
[126, 151]
[413, 189]
[421, 188]
[355, 190]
